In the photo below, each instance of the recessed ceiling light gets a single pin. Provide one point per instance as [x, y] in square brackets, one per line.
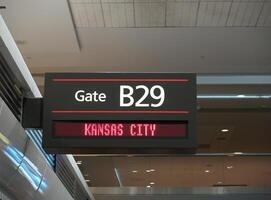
[87, 180]
[224, 130]
[148, 170]
[152, 183]
[134, 171]
[207, 171]
[152, 170]
[229, 167]
[148, 186]
[238, 153]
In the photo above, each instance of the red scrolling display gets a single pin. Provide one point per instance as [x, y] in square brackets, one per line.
[94, 129]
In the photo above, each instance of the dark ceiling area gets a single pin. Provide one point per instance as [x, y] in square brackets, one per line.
[227, 141]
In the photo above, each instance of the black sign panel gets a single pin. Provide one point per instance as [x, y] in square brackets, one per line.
[119, 112]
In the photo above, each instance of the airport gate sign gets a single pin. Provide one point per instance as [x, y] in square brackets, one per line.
[119, 113]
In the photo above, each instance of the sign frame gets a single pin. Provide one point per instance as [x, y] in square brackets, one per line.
[118, 146]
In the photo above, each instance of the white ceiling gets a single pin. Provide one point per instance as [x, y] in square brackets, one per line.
[40, 26]
[218, 36]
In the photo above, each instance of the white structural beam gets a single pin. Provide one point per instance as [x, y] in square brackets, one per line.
[233, 79]
[16, 57]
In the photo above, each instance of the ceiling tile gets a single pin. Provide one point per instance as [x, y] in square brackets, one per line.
[250, 0]
[244, 13]
[189, 1]
[181, 14]
[265, 18]
[117, 1]
[149, 1]
[216, 0]
[79, 15]
[150, 14]
[213, 13]
[94, 15]
[119, 15]
[84, 1]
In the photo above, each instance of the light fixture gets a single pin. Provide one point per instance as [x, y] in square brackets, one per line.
[240, 96]
[148, 186]
[134, 171]
[224, 130]
[150, 170]
[87, 180]
[152, 183]
[238, 153]
[207, 171]
[79, 162]
[229, 167]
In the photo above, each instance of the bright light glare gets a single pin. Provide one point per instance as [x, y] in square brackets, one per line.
[237, 153]
[241, 96]
[79, 162]
[150, 170]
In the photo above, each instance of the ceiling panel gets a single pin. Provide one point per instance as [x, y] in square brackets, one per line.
[250, 0]
[265, 18]
[150, 14]
[118, 15]
[149, 1]
[116, 1]
[181, 13]
[213, 13]
[94, 15]
[171, 13]
[84, 1]
[87, 15]
[244, 13]
[80, 15]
